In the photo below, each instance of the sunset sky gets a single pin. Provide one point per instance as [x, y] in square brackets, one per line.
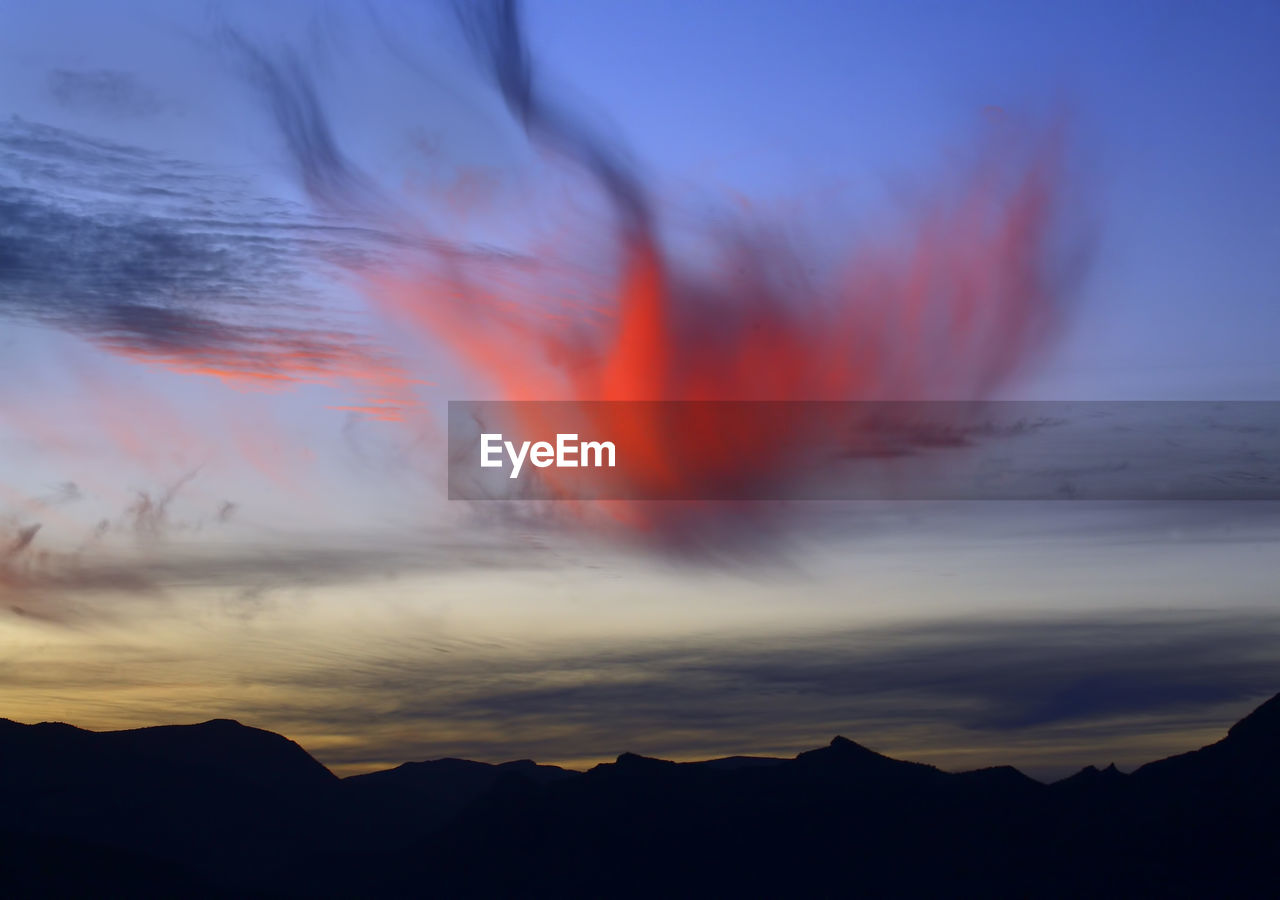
[242, 247]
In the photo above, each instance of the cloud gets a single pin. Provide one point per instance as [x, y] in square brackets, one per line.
[980, 676]
[1052, 693]
[22, 540]
[106, 580]
[163, 262]
[103, 90]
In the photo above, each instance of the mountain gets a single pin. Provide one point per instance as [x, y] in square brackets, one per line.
[1246, 758]
[220, 809]
[211, 799]
[429, 793]
[1092, 778]
[220, 749]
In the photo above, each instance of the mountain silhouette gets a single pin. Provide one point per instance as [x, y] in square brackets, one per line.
[427, 794]
[218, 749]
[220, 809]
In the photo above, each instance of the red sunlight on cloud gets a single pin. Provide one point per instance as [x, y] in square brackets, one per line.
[950, 305]
[273, 359]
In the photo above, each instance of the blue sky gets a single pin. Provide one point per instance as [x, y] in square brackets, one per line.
[1177, 134]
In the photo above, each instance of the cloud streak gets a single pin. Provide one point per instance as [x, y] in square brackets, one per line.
[165, 263]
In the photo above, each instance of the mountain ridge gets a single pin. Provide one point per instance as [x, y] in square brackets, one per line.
[837, 746]
[219, 808]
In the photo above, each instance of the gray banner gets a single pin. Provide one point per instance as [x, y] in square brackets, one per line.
[703, 451]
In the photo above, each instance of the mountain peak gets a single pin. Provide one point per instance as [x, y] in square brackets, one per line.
[635, 760]
[1261, 725]
[634, 764]
[846, 758]
[843, 746]
[225, 746]
[1092, 775]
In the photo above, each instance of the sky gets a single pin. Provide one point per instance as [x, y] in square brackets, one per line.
[249, 251]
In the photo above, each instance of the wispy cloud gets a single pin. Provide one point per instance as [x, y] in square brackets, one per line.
[151, 554]
[164, 262]
[108, 91]
[946, 688]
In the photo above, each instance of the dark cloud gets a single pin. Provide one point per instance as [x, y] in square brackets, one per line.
[149, 514]
[494, 30]
[22, 540]
[981, 676]
[324, 170]
[164, 261]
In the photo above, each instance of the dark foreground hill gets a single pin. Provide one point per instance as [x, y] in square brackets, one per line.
[219, 809]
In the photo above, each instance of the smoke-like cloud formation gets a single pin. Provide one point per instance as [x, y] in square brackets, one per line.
[183, 267]
[148, 558]
[952, 304]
